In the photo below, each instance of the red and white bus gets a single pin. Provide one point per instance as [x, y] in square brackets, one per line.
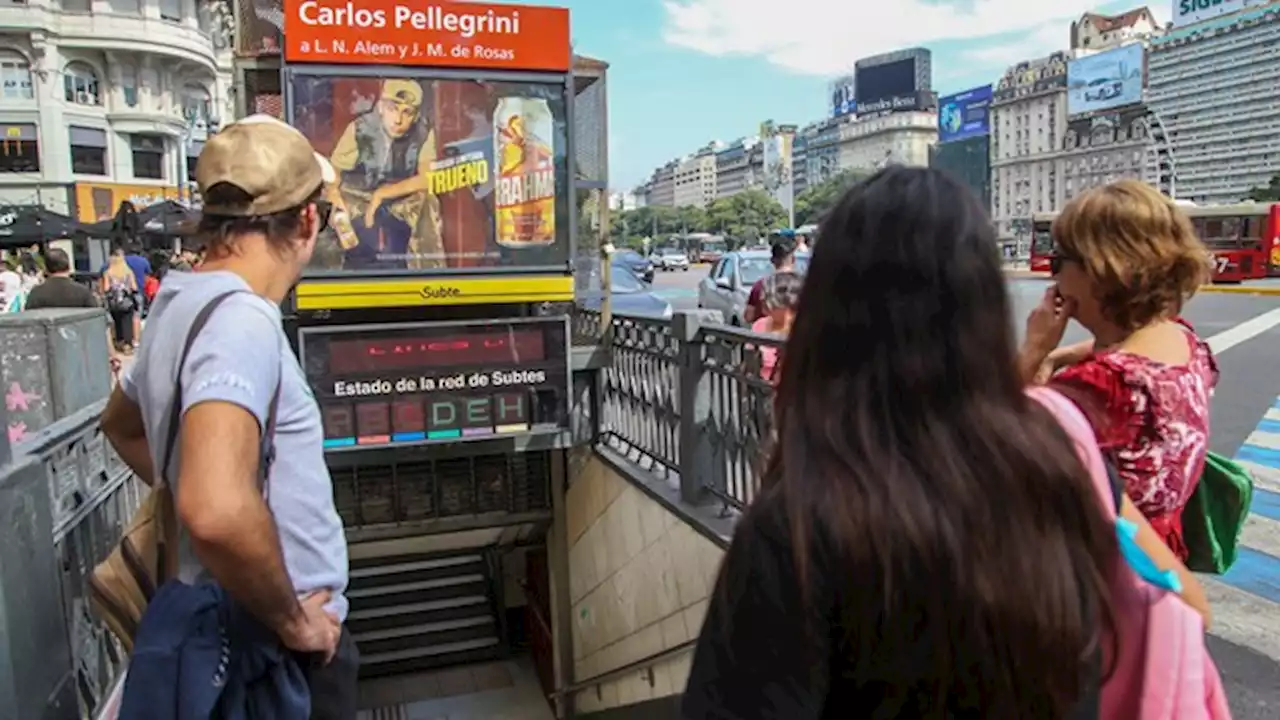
[1243, 239]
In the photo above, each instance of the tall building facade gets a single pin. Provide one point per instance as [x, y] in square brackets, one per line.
[1028, 125]
[903, 138]
[1216, 86]
[738, 166]
[661, 188]
[695, 179]
[103, 101]
[1107, 138]
[964, 145]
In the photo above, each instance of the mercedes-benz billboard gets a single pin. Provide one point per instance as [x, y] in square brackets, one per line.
[899, 81]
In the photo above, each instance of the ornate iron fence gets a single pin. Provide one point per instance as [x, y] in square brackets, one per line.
[686, 399]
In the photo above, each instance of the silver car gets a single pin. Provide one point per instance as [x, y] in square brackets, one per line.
[729, 283]
[670, 259]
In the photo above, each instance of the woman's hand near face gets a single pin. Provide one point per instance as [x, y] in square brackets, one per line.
[1045, 327]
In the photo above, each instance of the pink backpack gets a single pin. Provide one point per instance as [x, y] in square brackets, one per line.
[1163, 671]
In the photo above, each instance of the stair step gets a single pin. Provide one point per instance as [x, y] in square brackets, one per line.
[359, 614]
[403, 631]
[358, 593]
[429, 651]
[410, 563]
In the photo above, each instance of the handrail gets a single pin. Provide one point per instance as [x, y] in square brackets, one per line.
[654, 659]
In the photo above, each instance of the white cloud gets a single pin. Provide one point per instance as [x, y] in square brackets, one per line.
[825, 37]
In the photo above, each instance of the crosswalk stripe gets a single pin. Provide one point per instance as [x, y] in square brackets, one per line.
[1242, 617]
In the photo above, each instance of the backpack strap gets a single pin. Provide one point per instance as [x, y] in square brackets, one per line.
[267, 451]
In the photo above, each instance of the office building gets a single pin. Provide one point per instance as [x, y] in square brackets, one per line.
[1108, 138]
[964, 146]
[1028, 123]
[799, 163]
[661, 188]
[102, 102]
[695, 178]
[822, 150]
[902, 138]
[738, 166]
[1216, 86]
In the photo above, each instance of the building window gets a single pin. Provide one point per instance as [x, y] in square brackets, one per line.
[80, 85]
[15, 77]
[148, 156]
[88, 151]
[195, 109]
[129, 85]
[171, 10]
[193, 154]
[19, 149]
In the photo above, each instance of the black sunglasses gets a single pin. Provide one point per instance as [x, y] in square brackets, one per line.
[324, 209]
[1058, 260]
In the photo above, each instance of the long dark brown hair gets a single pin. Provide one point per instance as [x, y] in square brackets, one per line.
[971, 546]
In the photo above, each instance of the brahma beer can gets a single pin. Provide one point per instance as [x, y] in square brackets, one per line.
[525, 201]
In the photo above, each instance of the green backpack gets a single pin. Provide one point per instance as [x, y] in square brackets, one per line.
[1215, 515]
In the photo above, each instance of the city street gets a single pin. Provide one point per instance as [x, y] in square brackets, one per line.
[1244, 330]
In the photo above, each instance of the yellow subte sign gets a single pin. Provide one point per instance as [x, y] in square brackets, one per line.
[392, 293]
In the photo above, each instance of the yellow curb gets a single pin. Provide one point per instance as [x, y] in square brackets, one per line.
[1270, 291]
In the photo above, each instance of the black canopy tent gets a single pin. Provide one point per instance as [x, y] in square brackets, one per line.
[27, 225]
[165, 219]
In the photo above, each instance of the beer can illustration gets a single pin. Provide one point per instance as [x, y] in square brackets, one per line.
[525, 182]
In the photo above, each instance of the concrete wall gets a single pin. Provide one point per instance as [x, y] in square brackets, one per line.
[639, 577]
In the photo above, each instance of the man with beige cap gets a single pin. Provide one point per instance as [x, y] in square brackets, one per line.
[383, 161]
[257, 513]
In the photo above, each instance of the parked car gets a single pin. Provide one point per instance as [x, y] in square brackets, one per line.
[629, 294]
[726, 287]
[635, 262]
[670, 259]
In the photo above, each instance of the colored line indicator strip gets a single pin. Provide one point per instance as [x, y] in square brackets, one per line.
[408, 437]
[514, 428]
[339, 442]
[373, 439]
[444, 434]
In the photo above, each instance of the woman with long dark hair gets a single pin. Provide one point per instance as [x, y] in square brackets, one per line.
[927, 543]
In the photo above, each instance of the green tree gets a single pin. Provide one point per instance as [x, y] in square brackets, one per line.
[816, 200]
[1268, 193]
[746, 216]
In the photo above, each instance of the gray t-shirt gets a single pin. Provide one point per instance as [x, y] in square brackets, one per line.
[239, 357]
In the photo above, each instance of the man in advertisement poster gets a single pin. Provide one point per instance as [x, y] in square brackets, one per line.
[383, 160]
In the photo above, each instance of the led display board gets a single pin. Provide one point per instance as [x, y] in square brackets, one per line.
[418, 383]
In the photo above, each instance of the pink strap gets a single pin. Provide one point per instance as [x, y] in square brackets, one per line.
[1086, 441]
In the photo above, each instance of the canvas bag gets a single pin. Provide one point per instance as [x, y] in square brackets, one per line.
[146, 557]
[1162, 670]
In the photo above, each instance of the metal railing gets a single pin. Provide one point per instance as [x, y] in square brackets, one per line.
[92, 496]
[686, 399]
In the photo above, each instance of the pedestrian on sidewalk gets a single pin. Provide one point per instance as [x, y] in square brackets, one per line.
[253, 494]
[783, 256]
[928, 541]
[780, 294]
[1126, 261]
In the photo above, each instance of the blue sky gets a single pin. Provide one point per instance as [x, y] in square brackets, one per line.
[684, 72]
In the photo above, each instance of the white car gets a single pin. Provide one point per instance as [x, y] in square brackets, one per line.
[670, 259]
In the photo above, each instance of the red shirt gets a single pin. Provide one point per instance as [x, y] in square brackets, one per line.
[1152, 422]
[150, 287]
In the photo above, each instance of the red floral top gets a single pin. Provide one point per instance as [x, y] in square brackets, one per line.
[1152, 422]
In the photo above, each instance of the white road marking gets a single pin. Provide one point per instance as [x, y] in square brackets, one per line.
[1244, 332]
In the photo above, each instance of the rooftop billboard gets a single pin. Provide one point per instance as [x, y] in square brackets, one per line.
[893, 82]
[964, 115]
[1105, 81]
[842, 96]
[1188, 12]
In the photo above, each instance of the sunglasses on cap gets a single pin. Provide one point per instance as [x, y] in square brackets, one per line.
[324, 210]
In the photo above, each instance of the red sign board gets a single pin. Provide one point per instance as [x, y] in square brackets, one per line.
[447, 34]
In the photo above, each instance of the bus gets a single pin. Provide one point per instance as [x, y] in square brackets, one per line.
[1243, 239]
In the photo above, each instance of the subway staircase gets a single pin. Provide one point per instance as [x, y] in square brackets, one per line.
[411, 613]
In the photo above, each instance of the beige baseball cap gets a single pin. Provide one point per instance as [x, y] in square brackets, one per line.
[270, 160]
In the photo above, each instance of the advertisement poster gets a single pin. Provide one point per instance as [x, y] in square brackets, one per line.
[449, 34]
[1104, 81]
[438, 174]
[842, 97]
[778, 142]
[100, 201]
[964, 115]
[1188, 12]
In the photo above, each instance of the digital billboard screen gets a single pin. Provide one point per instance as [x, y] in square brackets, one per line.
[419, 383]
[885, 82]
[964, 115]
[437, 175]
[1107, 80]
[843, 97]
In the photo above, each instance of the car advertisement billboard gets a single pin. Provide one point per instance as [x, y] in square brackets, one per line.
[1104, 81]
[964, 115]
[842, 96]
